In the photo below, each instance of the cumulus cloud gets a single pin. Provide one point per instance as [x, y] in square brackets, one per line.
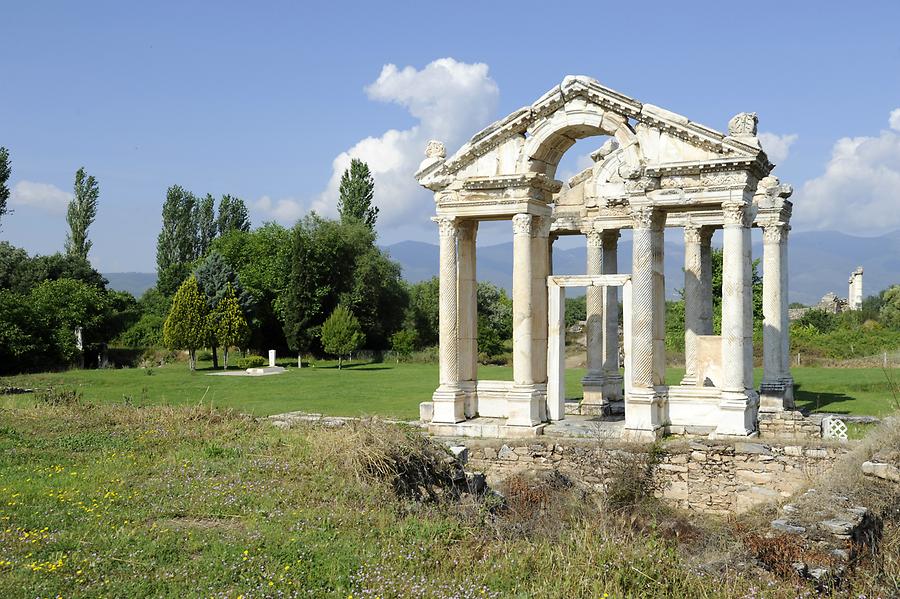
[450, 99]
[42, 196]
[284, 210]
[777, 147]
[858, 192]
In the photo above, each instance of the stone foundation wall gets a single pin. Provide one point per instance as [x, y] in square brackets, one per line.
[789, 424]
[705, 476]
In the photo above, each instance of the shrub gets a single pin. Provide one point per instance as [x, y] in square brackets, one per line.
[632, 478]
[204, 356]
[59, 396]
[251, 362]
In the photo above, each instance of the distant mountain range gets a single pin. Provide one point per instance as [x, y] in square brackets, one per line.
[819, 262]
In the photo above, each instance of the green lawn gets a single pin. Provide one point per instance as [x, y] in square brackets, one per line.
[393, 390]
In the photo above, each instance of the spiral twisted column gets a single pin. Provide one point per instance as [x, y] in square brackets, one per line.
[448, 399]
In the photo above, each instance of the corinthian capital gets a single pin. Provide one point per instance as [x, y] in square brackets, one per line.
[447, 226]
[736, 214]
[522, 224]
[594, 238]
[647, 217]
[774, 232]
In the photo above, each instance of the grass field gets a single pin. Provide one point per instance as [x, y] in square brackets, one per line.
[116, 501]
[391, 390]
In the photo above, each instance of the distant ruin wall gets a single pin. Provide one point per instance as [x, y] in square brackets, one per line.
[704, 476]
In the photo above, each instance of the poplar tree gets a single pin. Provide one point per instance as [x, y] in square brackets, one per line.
[214, 278]
[357, 190]
[228, 325]
[81, 214]
[205, 222]
[5, 171]
[187, 325]
[176, 246]
[341, 333]
[233, 215]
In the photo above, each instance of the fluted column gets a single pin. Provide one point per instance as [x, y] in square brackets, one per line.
[693, 301]
[642, 415]
[448, 399]
[613, 390]
[592, 383]
[736, 407]
[524, 400]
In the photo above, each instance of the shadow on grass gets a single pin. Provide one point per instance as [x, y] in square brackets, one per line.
[816, 401]
[359, 366]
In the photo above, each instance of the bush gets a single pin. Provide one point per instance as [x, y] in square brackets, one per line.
[59, 396]
[204, 355]
[251, 362]
[632, 479]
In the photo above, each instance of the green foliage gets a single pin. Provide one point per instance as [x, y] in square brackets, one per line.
[253, 361]
[403, 343]
[59, 396]
[333, 262]
[233, 215]
[341, 333]
[818, 320]
[205, 222]
[216, 280]
[81, 214]
[187, 326]
[890, 309]
[422, 316]
[21, 273]
[146, 332]
[841, 343]
[176, 246]
[66, 304]
[357, 190]
[227, 323]
[675, 326]
[576, 310]
[23, 335]
[5, 171]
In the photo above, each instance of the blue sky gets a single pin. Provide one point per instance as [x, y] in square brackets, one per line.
[267, 100]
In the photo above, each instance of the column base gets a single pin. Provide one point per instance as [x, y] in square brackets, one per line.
[772, 396]
[737, 413]
[592, 393]
[448, 405]
[614, 389]
[689, 380]
[603, 394]
[643, 414]
[526, 405]
[788, 382]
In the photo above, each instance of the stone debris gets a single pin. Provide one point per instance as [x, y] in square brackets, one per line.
[881, 470]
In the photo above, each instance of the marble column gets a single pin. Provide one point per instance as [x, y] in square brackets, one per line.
[786, 379]
[659, 299]
[540, 266]
[737, 406]
[592, 383]
[772, 387]
[449, 402]
[693, 301]
[706, 289]
[468, 312]
[613, 386]
[522, 406]
[642, 413]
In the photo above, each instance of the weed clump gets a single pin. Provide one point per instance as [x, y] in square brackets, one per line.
[632, 478]
[59, 396]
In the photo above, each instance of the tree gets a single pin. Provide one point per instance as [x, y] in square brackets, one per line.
[176, 246]
[403, 343]
[205, 221]
[377, 296]
[216, 279]
[357, 190]
[890, 308]
[5, 171]
[341, 333]
[81, 214]
[67, 305]
[233, 215]
[227, 323]
[187, 326]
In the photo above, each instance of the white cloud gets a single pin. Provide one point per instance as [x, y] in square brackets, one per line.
[894, 119]
[451, 100]
[285, 210]
[858, 192]
[43, 196]
[777, 147]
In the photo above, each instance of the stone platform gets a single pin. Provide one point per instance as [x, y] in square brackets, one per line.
[605, 427]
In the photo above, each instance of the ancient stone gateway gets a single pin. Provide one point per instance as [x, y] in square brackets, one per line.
[657, 169]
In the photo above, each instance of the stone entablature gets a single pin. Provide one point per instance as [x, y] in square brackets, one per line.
[656, 169]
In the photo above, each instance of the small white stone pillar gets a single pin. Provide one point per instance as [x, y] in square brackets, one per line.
[738, 403]
[855, 296]
[613, 383]
[772, 389]
[642, 410]
[448, 399]
[271, 358]
[523, 403]
[693, 301]
[593, 401]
